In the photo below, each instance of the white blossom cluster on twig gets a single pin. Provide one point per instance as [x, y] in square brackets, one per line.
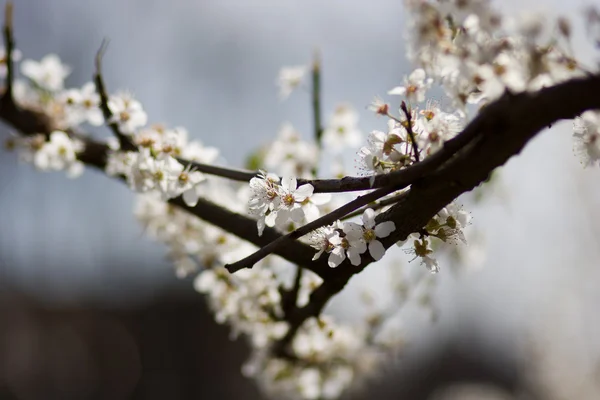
[467, 47]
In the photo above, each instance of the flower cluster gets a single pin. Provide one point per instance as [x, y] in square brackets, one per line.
[56, 153]
[279, 205]
[156, 168]
[330, 358]
[350, 239]
[476, 54]
[393, 150]
[463, 45]
[446, 226]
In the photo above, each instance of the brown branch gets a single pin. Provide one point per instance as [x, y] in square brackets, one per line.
[376, 205]
[403, 177]
[124, 141]
[500, 131]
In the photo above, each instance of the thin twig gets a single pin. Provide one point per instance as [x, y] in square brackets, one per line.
[376, 206]
[124, 141]
[10, 46]
[234, 174]
[327, 219]
[409, 129]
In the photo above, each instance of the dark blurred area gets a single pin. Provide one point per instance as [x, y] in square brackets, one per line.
[171, 348]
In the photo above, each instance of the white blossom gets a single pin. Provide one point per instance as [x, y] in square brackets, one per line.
[415, 86]
[59, 153]
[127, 112]
[82, 105]
[289, 79]
[49, 73]
[289, 203]
[372, 231]
[586, 135]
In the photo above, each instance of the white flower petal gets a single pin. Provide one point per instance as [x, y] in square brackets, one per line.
[376, 250]
[384, 229]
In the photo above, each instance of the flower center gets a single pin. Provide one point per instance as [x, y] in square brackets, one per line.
[289, 200]
[369, 235]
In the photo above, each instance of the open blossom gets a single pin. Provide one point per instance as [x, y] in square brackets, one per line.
[127, 112]
[327, 240]
[415, 86]
[263, 199]
[434, 127]
[289, 79]
[386, 151]
[58, 154]
[49, 73]
[586, 135]
[452, 219]
[289, 203]
[82, 105]
[373, 231]
[422, 249]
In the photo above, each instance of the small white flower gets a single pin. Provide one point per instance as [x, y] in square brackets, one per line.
[82, 105]
[354, 242]
[127, 112]
[415, 86]
[59, 153]
[312, 203]
[264, 199]
[586, 135]
[372, 231]
[289, 78]
[49, 73]
[290, 201]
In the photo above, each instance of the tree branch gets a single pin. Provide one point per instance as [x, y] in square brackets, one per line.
[500, 130]
[124, 141]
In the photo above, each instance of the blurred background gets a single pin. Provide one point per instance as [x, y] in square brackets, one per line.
[90, 308]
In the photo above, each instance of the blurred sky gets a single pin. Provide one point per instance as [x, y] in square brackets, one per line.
[210, 66]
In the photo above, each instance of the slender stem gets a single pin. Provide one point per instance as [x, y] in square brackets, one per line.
[234, 174]
[316, 98]
[376, 206]
[409, 129]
